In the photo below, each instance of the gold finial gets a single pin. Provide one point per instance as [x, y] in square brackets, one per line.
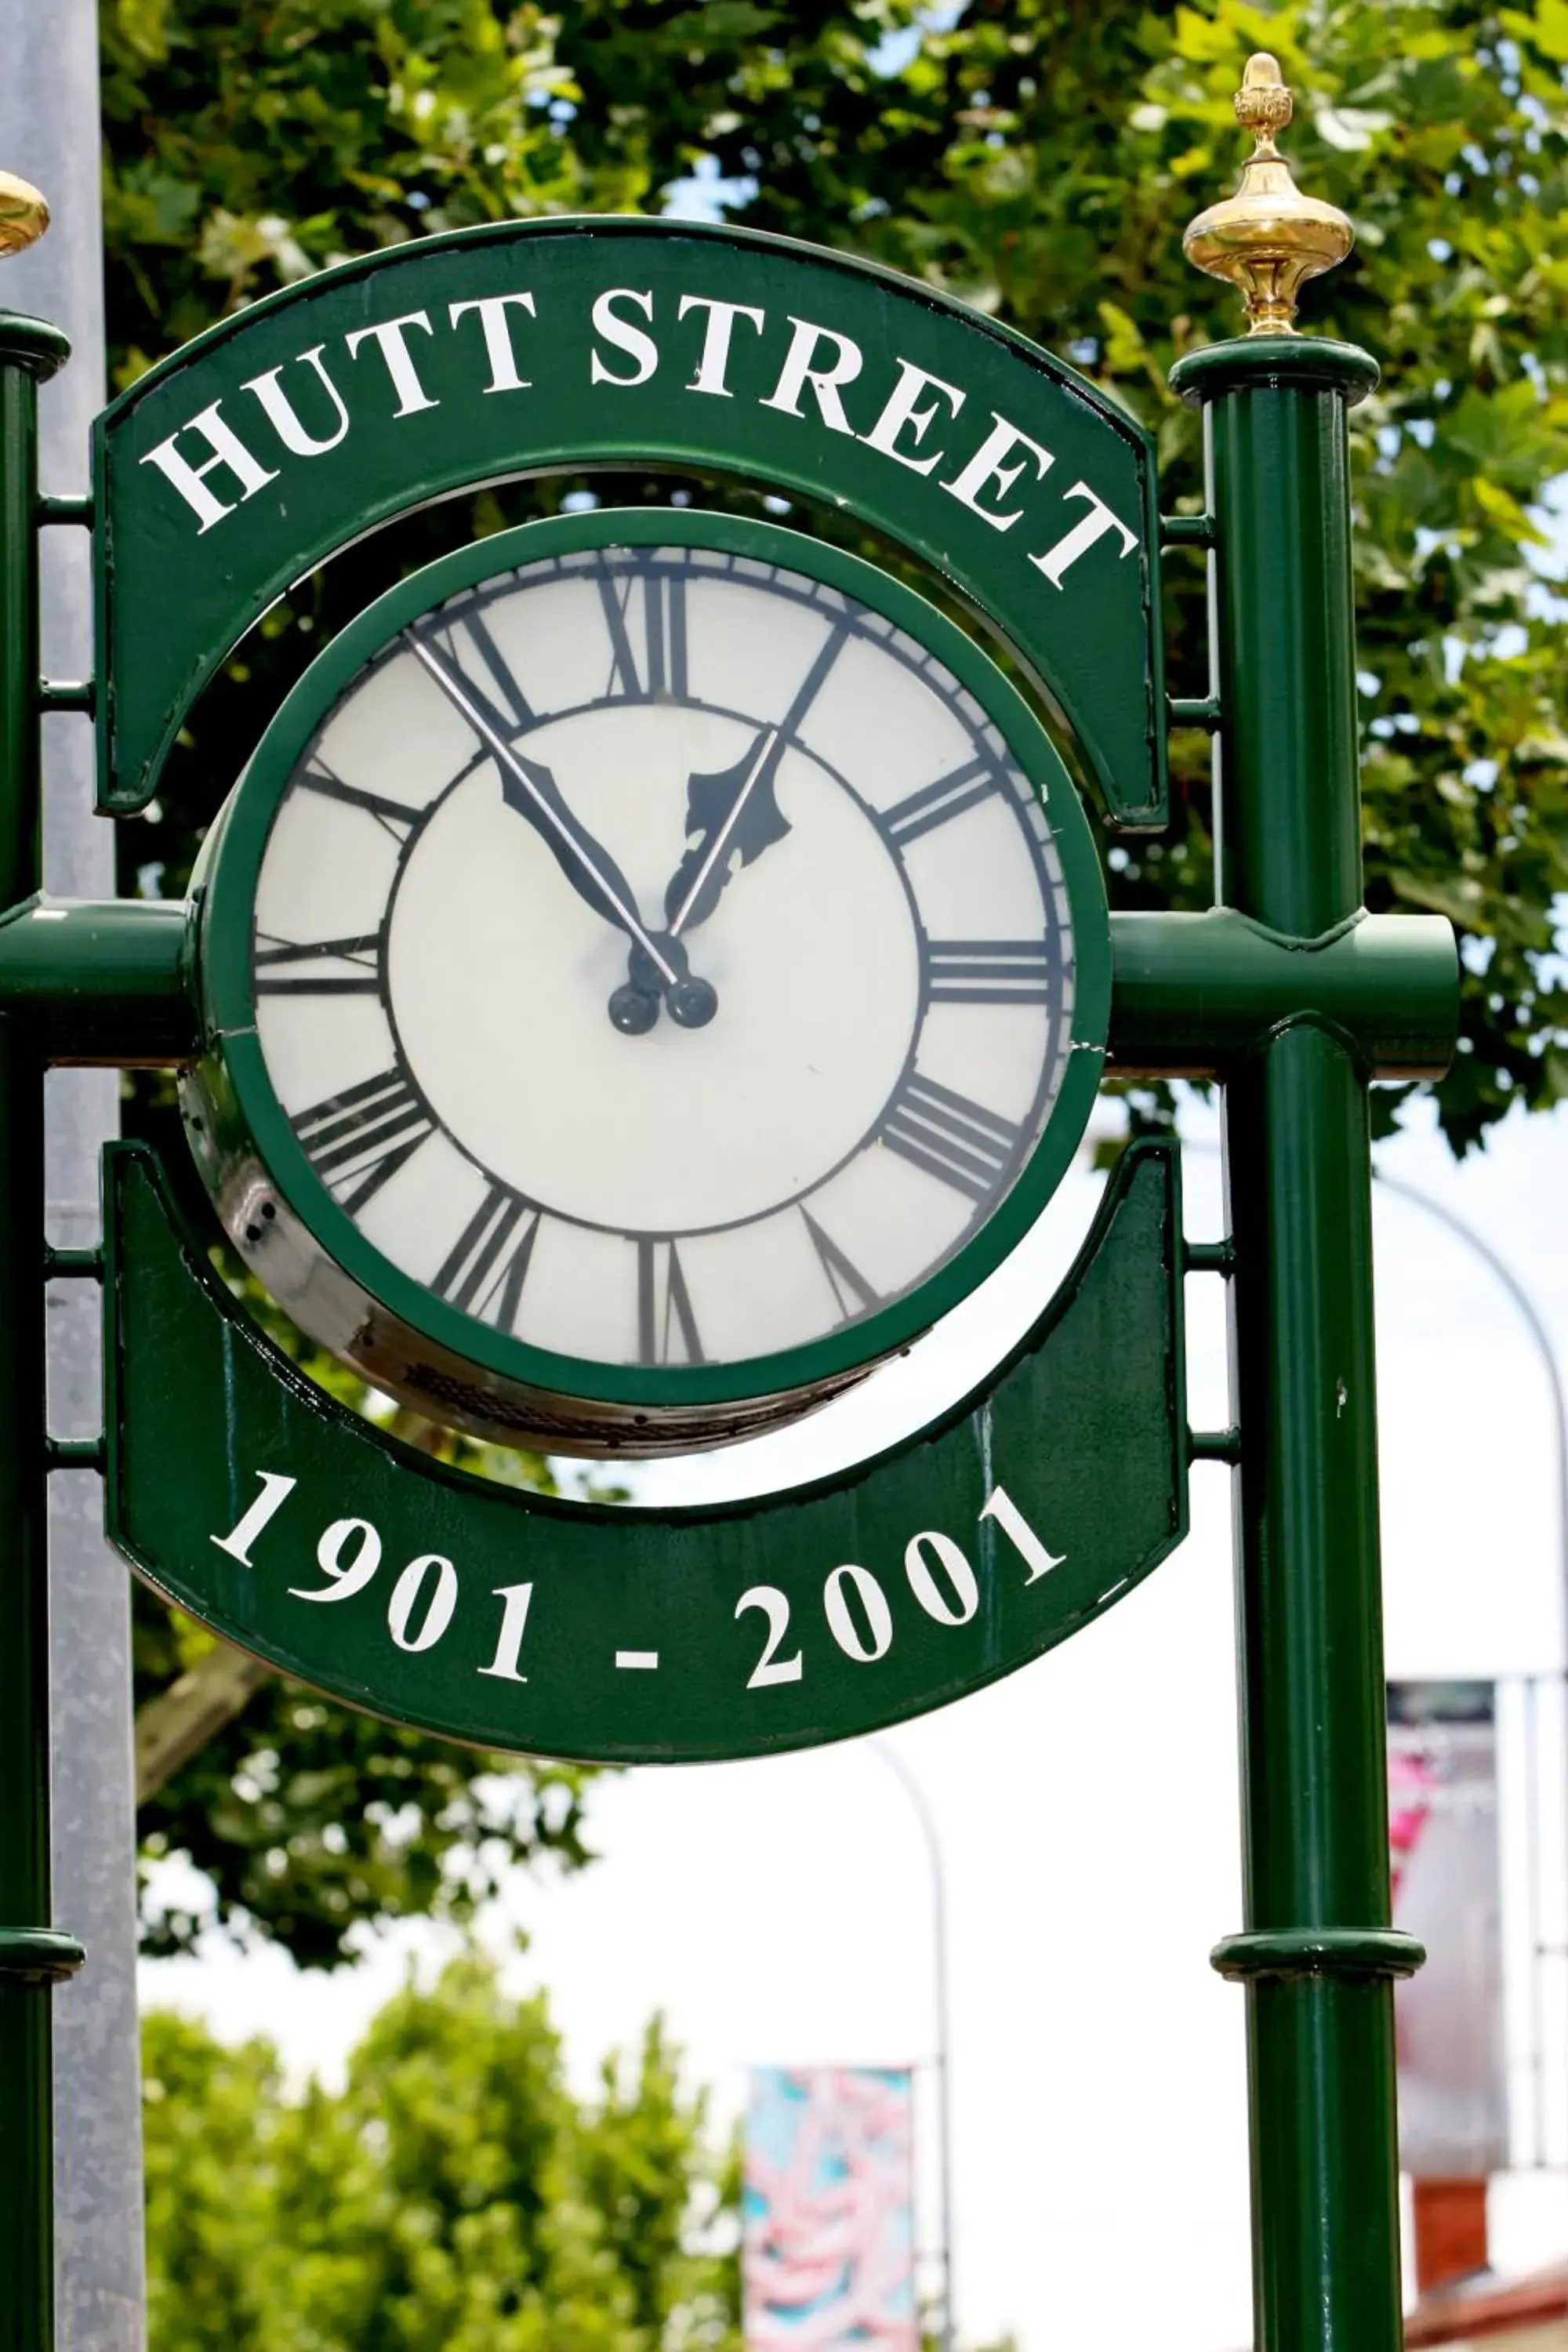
[1268, 238]
[24, 215]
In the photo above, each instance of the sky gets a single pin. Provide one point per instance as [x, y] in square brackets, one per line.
[1086, 1807]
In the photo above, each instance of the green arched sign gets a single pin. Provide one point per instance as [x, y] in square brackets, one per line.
[303, 1533]
[296, 426]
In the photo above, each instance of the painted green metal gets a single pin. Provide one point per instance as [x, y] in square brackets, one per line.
[572, 398]
[1318, 1951]
[114, 981]
[1321, 2038]
[102, 980]
[253, 1140]
[1195, 994]
[39, 1955]
[768, 1630]
[29, 1956]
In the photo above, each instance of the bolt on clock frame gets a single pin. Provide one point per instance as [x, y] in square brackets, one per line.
[1287, 992]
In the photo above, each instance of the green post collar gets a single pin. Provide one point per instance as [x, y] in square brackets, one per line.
[1311, 363]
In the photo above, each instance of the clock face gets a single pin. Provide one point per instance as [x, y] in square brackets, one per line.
[661, 957]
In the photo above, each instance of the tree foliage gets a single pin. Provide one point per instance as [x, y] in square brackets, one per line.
[453, 2197]
[1040, 159]
[307, 1821]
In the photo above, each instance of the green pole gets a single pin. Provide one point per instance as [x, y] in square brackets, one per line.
[31, 1955]
[1318, 1957]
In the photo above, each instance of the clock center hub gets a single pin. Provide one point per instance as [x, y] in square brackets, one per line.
[784, 1032]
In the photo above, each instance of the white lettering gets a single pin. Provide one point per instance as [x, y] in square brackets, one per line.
[276, 1490]
[281, 414]
[798, 372]
[770, 1668]
[513, 1622]
[987, 470]
[713, 365]
[492, 316]
[1083, 536]
[391, 340]
[954, 1608]
[900, 411]
[407, 1594]
[640, 347]
[877, 1640]
[347, 1575]
[999, 1505]
[189, 480]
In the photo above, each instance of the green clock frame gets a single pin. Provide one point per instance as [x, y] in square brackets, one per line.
[534, 1391]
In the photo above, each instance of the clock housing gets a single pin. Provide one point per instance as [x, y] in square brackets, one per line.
[655, 965]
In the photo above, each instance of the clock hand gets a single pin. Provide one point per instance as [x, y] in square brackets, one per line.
[735, 809]
[531, 790]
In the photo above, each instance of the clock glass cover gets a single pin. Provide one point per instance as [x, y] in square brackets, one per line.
[655, 964]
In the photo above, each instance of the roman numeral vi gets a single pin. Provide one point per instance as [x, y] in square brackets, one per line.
[663, 1306]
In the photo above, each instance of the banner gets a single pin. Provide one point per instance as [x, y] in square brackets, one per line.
[1443, 1835]
[828, 2244]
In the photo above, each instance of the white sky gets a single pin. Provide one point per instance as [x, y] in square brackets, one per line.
[779, 1911]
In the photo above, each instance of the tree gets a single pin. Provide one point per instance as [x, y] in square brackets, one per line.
[454, 2196]
[307, 1820]
[1039, 158]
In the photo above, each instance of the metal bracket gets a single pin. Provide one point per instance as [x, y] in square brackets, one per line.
[38, 1955]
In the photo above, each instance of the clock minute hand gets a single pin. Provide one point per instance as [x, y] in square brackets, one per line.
[531, 790]
[735, 810]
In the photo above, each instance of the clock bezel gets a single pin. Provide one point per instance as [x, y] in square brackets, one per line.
[251, 1113]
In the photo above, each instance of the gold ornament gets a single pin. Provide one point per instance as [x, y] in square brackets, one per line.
[1268, 238]
[24, 215]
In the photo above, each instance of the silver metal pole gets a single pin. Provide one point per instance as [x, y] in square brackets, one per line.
[890, 1755]
[49, 133]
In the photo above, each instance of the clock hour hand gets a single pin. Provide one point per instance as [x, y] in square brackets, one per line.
[531, 788]
[731, 815]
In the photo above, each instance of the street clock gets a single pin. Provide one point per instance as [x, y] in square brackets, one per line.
[654, 966]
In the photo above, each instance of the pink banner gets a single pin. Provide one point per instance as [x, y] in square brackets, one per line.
[1443, 1839]
[828, 2249]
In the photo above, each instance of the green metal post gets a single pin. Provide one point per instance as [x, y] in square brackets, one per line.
[1318, 1957]
[31, 1955]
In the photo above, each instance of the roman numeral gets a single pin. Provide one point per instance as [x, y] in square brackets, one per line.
[658, 599]
[852, 1293]
[989, 971]
[816, 678]
[363, 954]
[940, 803]
[961, 1142]
[356, 1140]
[664, 1306]
[487, 678]
[393, 816]
[488, 1265]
